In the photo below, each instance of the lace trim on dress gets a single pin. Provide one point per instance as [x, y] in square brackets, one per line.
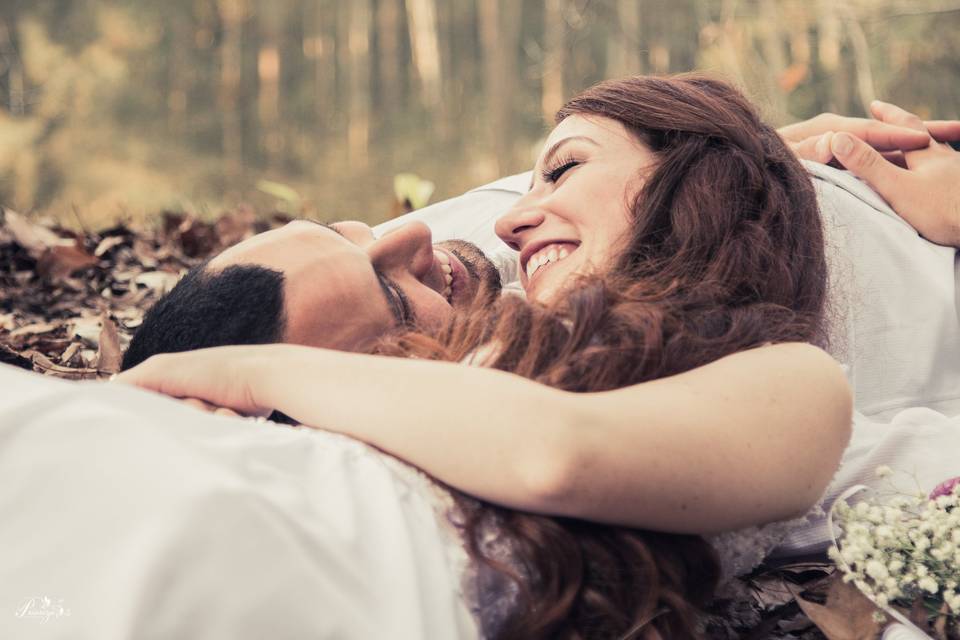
[743, 550]
[489, 595]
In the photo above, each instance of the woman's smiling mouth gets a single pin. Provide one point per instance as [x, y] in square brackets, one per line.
[545, 256]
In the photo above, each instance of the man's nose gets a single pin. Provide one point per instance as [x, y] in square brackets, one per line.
[522, 217]
[356, 232]
[409, 247]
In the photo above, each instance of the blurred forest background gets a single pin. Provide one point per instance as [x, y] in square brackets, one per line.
[117, 108]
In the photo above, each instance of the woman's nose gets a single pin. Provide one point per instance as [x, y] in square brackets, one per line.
[409, 247]
[520, 218]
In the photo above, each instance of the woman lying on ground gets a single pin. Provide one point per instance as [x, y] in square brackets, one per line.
[672, 252]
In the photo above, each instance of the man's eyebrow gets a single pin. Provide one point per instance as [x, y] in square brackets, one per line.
[556, 147]
[325, 225]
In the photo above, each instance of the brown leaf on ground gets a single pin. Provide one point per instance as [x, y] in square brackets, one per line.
[846, 614]
[59, 262]
[109, 354]
[33, 237]
[107, 244]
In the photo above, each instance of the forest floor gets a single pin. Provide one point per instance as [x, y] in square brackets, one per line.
[71, 300]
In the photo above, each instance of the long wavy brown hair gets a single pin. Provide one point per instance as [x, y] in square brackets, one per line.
[725, 254]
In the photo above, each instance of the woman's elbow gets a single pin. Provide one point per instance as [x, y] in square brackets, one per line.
[832, 428]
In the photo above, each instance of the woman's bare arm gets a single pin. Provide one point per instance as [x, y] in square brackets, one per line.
[751, 438]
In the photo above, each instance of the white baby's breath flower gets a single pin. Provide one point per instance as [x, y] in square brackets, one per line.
[877, 570]
[883, 471]
[899, 549]
[928, 584]
[953, 602]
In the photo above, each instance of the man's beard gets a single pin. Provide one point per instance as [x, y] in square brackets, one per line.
[479, 267]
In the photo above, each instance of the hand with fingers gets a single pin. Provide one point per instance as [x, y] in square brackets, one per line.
[925, 191]
[221, 379]
[810, 139]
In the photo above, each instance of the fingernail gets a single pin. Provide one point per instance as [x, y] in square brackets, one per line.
[842, 144]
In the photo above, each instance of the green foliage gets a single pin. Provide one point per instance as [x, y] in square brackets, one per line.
[119, 107]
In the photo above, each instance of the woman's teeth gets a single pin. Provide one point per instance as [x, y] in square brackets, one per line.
[545, 256]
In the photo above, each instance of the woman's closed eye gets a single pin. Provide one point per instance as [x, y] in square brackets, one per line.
[559, 168]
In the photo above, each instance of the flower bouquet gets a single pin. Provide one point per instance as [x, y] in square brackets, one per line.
[902, 551]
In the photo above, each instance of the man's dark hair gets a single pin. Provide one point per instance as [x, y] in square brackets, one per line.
[241, 304]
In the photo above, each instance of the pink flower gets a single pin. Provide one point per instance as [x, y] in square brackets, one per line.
[945, 488]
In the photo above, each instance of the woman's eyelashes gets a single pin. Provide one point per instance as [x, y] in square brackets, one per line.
[561, 166]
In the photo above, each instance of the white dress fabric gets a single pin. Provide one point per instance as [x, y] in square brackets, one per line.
[128, 515]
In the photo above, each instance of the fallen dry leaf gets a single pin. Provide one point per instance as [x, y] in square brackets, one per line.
[60, 262]
[846, 614]
[159, 281]
[109, 354]
[33, 329]
[33, 237]
[87, 328]
[108, 243]
[68, 355]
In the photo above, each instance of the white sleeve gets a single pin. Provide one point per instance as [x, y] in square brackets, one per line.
[129, 515]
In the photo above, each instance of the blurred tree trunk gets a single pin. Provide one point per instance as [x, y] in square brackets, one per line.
[232, 14]
[658, 25]
[686, 20]
[177, 73]
[861, 57]
[624, 48]
[318, 46]
[446, 81]
[358, 110]
[732, 39]
[12, 77]
[390, 68]
[268, 72]
[500, 32]
[772, 44]
[554, 58]
[825, 58]
[422, 21]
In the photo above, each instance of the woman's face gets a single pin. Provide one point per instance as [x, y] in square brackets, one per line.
[577, 213]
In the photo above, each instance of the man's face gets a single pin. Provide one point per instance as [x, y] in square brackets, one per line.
[343, 288]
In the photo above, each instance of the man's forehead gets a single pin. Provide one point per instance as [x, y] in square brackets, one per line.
[291, 243]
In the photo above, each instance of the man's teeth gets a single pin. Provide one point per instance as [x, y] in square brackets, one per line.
[545, 256]
[444, 260]
[448, 279]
